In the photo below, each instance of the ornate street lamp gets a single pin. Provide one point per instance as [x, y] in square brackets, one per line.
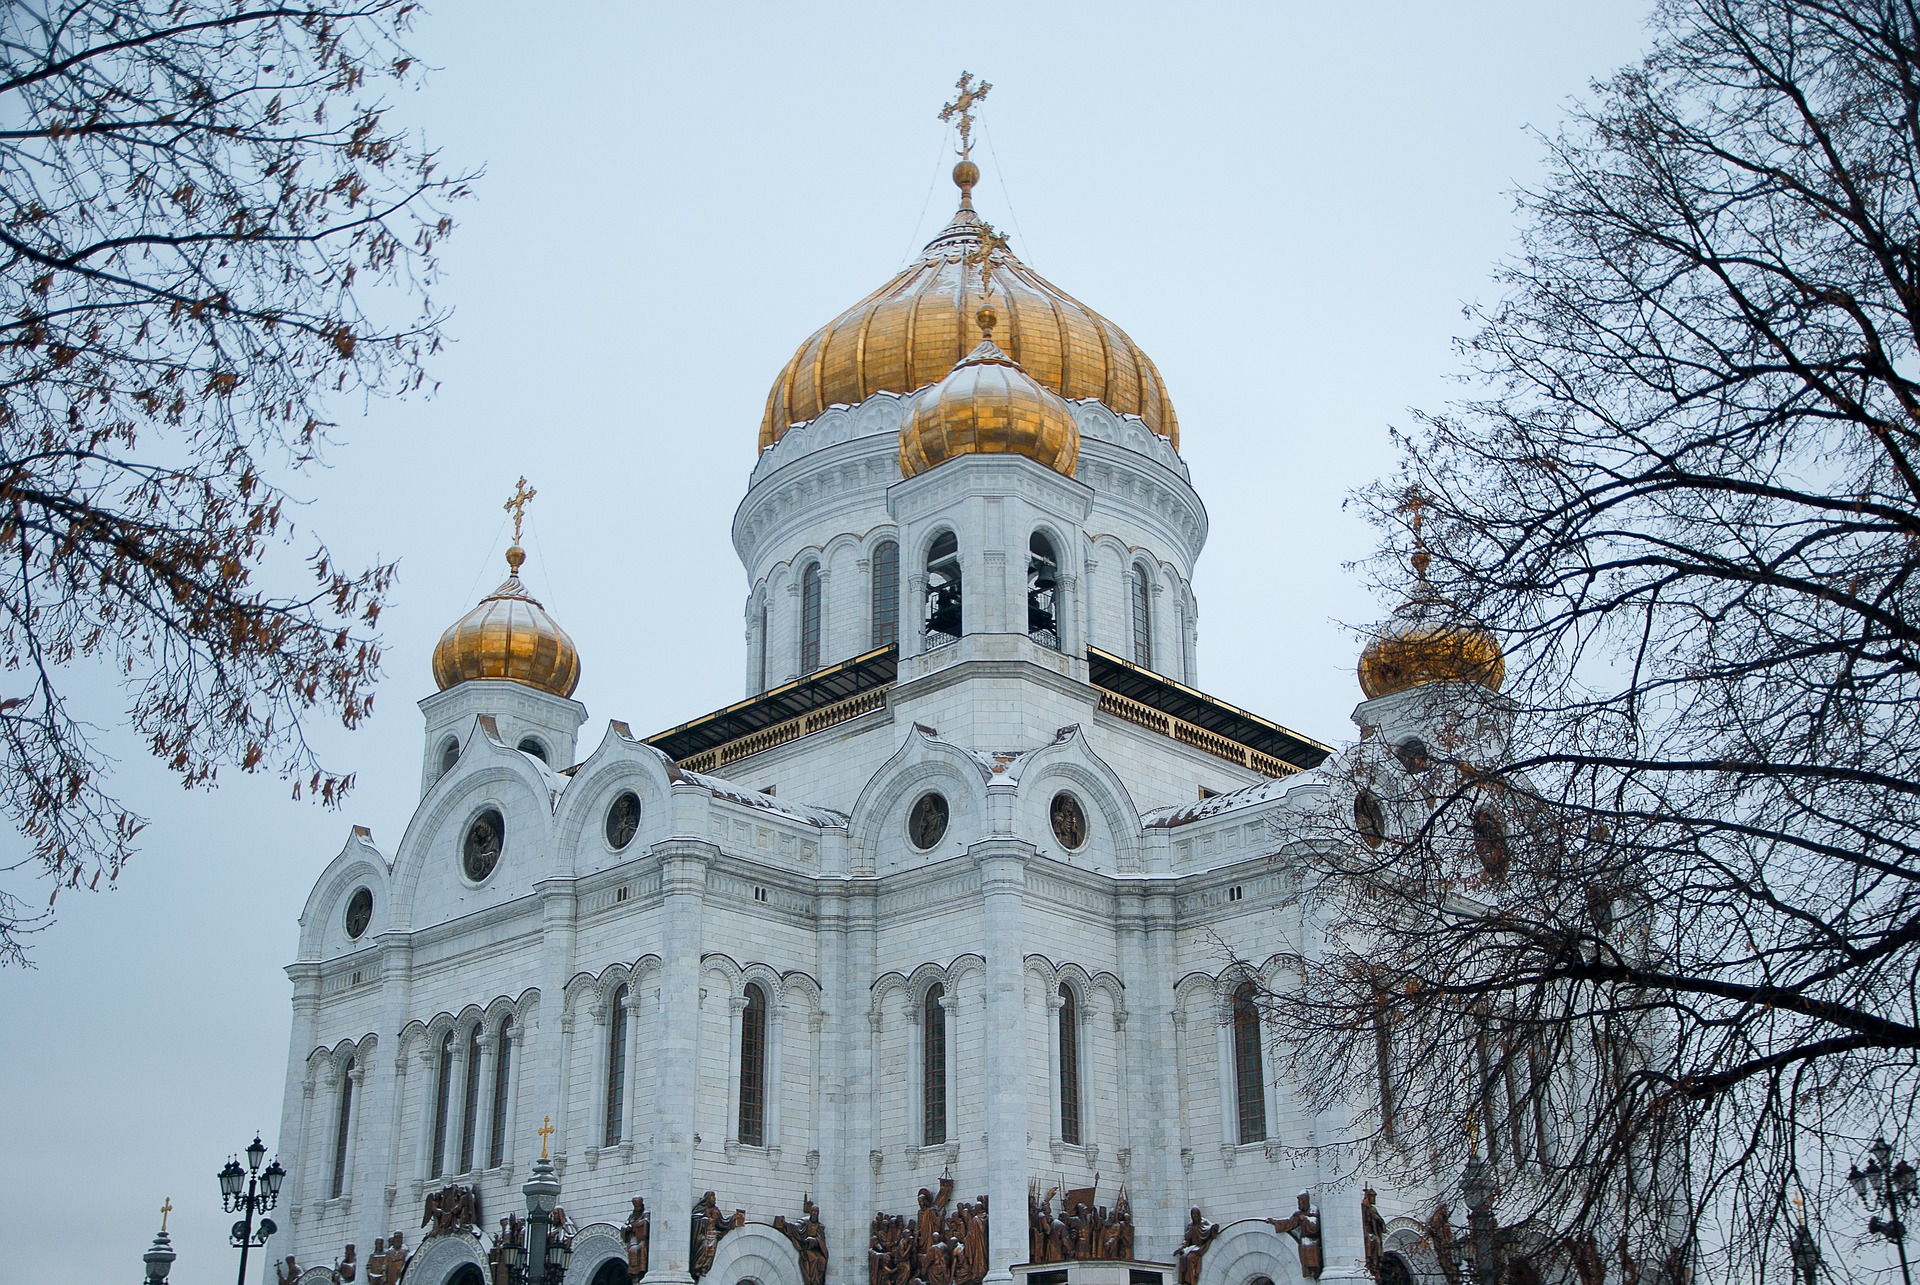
[1885, 1185]
[1479, 1186]
[251, 1191]
[529, 1261]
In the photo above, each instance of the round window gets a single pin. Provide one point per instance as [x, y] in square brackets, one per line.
[1413, 755]
[927, 823]
[1370, 818]
[481, 851]
[359, 911]
[1069, 821]
[623, 820]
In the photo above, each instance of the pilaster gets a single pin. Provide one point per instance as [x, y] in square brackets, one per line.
[683, 881]
[1003, 881]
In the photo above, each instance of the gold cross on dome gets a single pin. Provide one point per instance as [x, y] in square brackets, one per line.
[982, 254]
[962, 107]
[522, 493]
[545, 1131]
[164, 1211]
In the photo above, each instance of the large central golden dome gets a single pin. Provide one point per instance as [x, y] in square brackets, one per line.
[911, 331]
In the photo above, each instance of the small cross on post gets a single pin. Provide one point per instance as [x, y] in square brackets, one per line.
[517, 506]
[545, 1131]
[983, 255]
[1414, 506]
[165, 1209]
[962, 107]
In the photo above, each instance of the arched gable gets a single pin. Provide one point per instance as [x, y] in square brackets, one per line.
[621, 762]
[1069, 763]
[358, 864]
[877, 828]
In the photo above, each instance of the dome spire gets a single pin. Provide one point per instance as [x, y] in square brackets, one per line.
[1427, 639]
[965, 173]
[522, 496]
[509, 635]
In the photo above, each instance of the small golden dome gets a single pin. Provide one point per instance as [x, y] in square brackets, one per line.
[1427, 641]
[509, 635]
[910, 332]
[988, 405]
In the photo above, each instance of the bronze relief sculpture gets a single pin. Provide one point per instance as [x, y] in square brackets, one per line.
[1303, 1224]
[1373, 1232]
[1080, 1229]
[637, 1235]
[809, 1237]
[707, 1227]
[452, 1208]
[933, 1246]
[1193, 1247]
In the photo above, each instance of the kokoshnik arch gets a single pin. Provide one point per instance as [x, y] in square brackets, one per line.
[946, 893]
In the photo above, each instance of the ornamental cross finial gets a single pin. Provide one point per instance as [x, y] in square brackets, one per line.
[545, 1131]
[982, 254]
[522, 493]
[1414, 505]
[165, 1209]
[962, 107]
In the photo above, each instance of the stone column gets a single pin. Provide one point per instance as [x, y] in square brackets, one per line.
[381, 1172]
[1161, 1218]
[683, 882]
[542, 1038]
[297, 1097]
[1003, 881]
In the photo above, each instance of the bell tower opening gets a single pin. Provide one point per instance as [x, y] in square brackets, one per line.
[1043, 578]
[943, 623]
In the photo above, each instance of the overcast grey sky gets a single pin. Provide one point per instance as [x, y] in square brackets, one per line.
[1285, 204]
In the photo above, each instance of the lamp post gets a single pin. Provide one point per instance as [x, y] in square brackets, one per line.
[1477, 1184]
[1889, 1186]
[251, 1191]
[530, 1263]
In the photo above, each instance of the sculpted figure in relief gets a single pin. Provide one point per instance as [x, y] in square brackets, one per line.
[809, 1237]
[1193, 1246]
[1303, 1224]
[637, 1236]
[1373, 1231]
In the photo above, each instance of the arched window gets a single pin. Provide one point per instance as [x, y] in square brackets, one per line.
[1249, 1081]
[753, 1068]
[442, 1103]
[531, 745]
[933, 1067]
[1043, 578]
[470, 1101]
[1383, 1059]
[1142, 618]
[1069, 1067]
[886, 594]
[449, 755]
[810, 619]
[342, 1126]
[502, 1077]
[616, 1065]
[943, 621]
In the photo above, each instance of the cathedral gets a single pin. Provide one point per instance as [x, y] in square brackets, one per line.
[918, 963]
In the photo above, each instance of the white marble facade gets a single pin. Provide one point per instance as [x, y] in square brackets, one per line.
[611, 987]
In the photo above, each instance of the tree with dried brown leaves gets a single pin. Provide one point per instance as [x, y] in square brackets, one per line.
[1646, 931]
[206, 218]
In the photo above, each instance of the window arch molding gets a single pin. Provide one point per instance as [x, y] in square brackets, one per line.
[1143, 613]
[793, 1013]
[1100, 1012]
[1064, 602]
[336, 1078]
[880, 553]
[810, 574]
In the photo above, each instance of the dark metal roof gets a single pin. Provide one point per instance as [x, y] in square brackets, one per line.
[1202, 710]
[801, 696]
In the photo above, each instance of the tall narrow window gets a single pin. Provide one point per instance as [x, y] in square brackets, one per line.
[1043, 579]
[442, 1104]
[470, 1101]
[886, 594]
[810, 619]
[943, 621]
[1069, 1067]
[1249, 1082]
[1142, 619]
[502, 1078]
[1383, 1057]
[753, 1068]
[760, 650]
[616, 1066]
[933, 1067]
[449, 755]
[341, 1128]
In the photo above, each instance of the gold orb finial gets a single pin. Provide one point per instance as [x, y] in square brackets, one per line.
[965, 175]
[516, 558]
[987, 319]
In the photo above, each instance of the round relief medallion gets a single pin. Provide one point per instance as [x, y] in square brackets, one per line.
[927, 823]
[1069, 821]
[359, 911]
[1413, 755]
[623, 820]
[481, 851]
[1370, 818]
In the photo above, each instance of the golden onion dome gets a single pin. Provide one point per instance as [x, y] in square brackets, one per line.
[988, 405]
[1428, 641]
[911, 331]
[508, 635]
